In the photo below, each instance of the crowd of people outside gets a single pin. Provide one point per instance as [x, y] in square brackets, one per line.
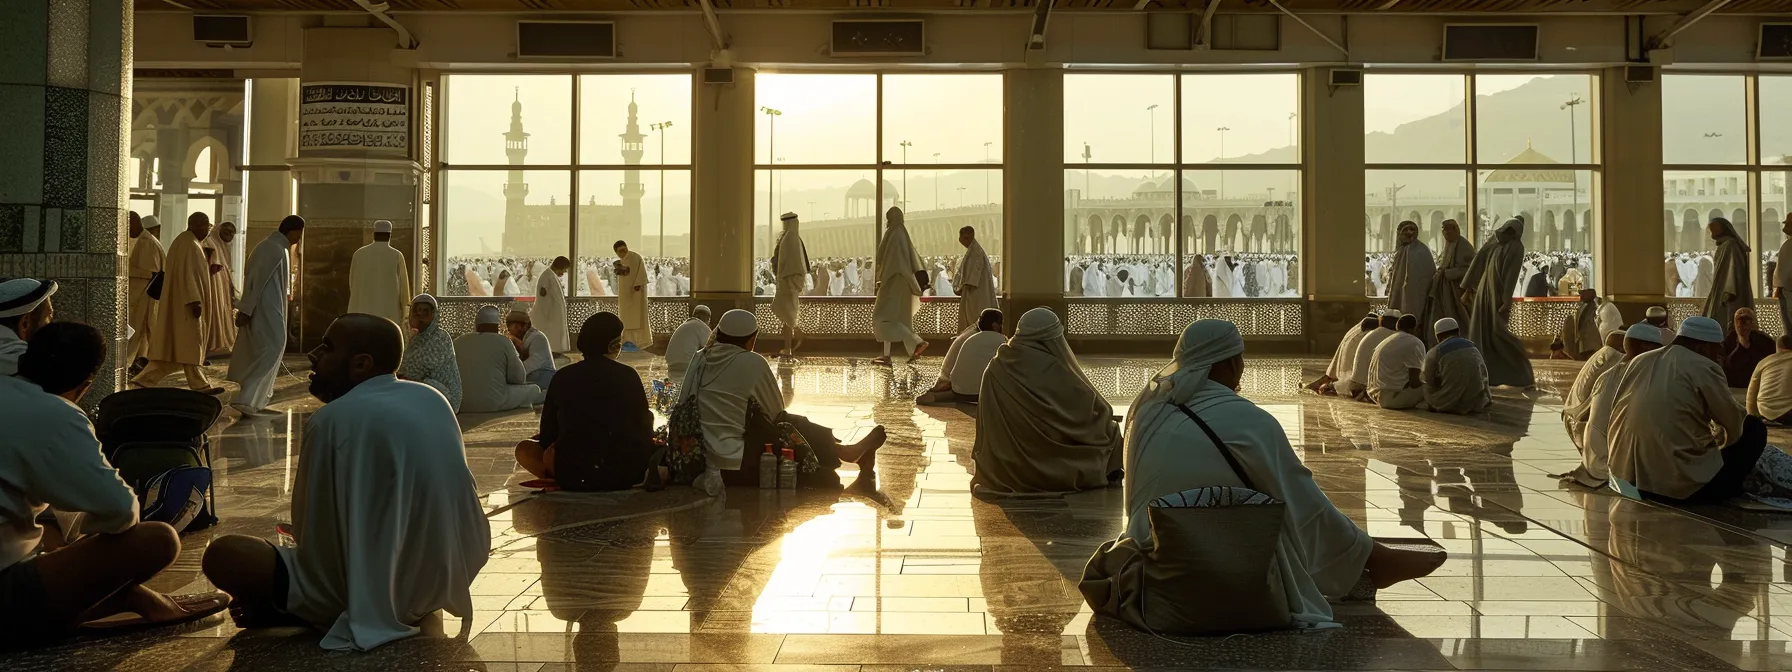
[1222, 275]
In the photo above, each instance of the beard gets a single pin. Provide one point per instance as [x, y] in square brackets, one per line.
[328, 388]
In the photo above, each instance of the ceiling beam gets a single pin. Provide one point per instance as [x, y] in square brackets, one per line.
[714, 25]
[1204, 31]
[1328, 39]
[1042, 13]
[1685, 22]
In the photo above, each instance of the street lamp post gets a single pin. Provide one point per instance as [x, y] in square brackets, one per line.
[1573, 155]
[660, 128]
[1222, 131]
[1153, 110]
[960, 197]
[771, 148]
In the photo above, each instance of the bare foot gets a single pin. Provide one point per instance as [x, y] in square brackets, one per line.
[864, 452]
[919, 350]
[1389, 565]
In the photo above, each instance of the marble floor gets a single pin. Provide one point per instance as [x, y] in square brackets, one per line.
[923, 576]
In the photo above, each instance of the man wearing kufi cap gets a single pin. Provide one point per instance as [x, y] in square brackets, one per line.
[1668, 403]
[379, 283]
[1658, 317]
[145, 262]
[1395, 369]
[725, 377]
[24, 308]
[1454, 374]
[177, 336]
[492, 377]
[1365, 353]
[1595, 440]
[1580, 395]
[790, 264]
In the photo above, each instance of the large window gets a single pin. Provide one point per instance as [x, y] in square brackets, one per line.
[1524, 150]
[820, 155]
[1171, 189]
[1713, 171]
[513, 196]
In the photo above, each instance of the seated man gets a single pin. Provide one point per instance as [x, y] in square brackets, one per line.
[728, 378]
[961, 375]
[1580, 395]
[51, 460]
[1744, 347]
[1455, 375]
[1338, 371]
[1323, 553]
[1669, 401]
[1394, 369]
[430, 357]
[491, 373]
[1364, 359]
[1658, 317]
[388, 525]
[532, 346]
[24, 306]
[1770, 388]
[1594, 441]
[1041, 426]
[687, 339]
[596, 431]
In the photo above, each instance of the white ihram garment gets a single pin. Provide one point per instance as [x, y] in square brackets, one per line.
[255, 363]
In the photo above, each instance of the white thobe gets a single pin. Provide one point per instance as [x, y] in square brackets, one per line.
[51, 458]
[146, 261]
[1391, 366]
[724, 377]
[1673, 414]
[388, 524]
[1580, 395]
[1365, 355]
[379, 283]
[549, 314]
[631, 301]
[1344, 358]
[492, 377]
[255, 363]
[686, 340]
[967, 359]
[1595, 438]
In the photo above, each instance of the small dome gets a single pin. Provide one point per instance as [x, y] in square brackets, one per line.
[864, 189]
[1147, 187]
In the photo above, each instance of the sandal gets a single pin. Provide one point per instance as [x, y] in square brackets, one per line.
[542, 484]
[198, 606]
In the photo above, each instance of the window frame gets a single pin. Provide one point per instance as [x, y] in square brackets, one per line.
[1753, 169]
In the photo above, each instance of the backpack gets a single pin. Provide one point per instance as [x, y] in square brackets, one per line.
[685, 447]
[178, 497]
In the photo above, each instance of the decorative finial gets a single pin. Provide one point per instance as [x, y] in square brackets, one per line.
[516, 94]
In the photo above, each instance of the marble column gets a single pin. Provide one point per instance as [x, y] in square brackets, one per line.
[1332, 200]
[65, 93]
[722, 220]
[1630, 245]
[343, 189]
[1033, 188]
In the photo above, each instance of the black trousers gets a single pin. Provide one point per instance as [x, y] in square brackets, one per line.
[1739, 461]
[821, 439]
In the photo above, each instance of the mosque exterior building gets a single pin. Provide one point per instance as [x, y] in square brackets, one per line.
[539, 229]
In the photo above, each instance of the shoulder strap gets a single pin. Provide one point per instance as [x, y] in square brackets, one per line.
[1225, 451]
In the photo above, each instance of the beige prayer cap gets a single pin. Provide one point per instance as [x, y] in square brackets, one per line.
[518, 316]
[738, 323]
[487, 315]
[382, 226]
[1444, 325]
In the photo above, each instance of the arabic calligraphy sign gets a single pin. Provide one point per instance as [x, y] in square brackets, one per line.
[348, 115]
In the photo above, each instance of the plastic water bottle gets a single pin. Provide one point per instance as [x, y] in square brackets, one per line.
[768, 469]
[787, 470]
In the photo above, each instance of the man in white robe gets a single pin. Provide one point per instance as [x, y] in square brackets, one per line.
[379, 283]
[687, 339]
[631, 298]
[1360, 364]
[388, 525]
[532, 346]
[1677, 433]
[1395, 369]
[1094, 281]
[976, 283]
[1610, 318]
[898, 290]
[790, 262]
[261, 314]
[961, 375]
[1320, 552]
[492, 377]
[177, 338]
[1580, 395]
[549, 313]
[220, 334]
[1594, 441]
[1337, 373]
[146, 262]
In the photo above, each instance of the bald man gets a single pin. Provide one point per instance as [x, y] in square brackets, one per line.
[355, 575]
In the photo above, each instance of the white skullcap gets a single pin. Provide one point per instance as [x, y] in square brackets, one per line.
[737, 323]
[700, 310]
[1643, 331]
[382, 226]
[1388, 312]
[1443, 325]
[1701, 328]
[1657, 311]
[424, 298]
[20, 296]
[487, 315]
[151, 222]
[787, 217]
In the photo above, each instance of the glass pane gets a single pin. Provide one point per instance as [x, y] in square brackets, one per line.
[839, 211]
[648, 209]
[499, 232]
[1776, 217]
[1425, 197]
[1561, 222]
[1693, 199]
[1248, 242]
[824, 118]
[1113, 216]
[943, 118]
[1534, 119]
[508, 119]
[635, 119]
[1119, 118]
[1704, 119]
[1414, 118]
[1775, 93]
[1215, 128]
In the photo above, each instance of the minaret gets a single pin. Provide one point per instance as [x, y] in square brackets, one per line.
[633, 148]
[516, 146]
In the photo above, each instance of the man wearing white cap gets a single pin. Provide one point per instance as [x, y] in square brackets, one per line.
[1668, 403]
[725, 377]
[492, 377]
[261, 314]
[1594, 441]
[145, 263]
[1580, 396]
[1455, 377]
[429, 359]
[1394, 380]
[631, 297]
[1658, 317]
[687, 339]
[1365, 354]
[790, 263]
[177, 337]
[549, 313]
[24, 308]
[378, 281]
